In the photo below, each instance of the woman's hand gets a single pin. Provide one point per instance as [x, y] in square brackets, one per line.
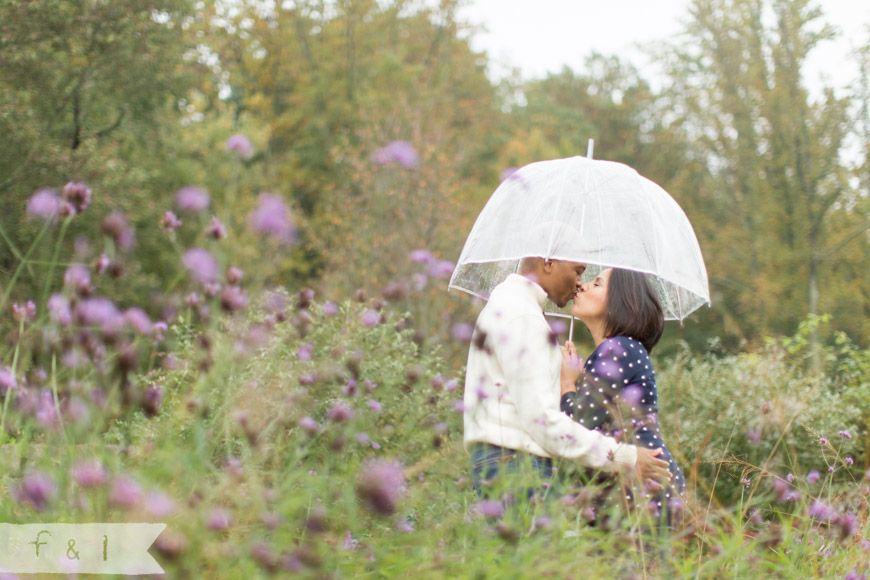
[572, 368]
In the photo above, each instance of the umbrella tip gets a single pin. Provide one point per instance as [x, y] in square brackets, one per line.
[589, 147]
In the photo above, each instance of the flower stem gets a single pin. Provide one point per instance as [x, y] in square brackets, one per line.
[48, 279]
[21, 265]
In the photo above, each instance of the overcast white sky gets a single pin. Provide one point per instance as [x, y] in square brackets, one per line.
[541, 36]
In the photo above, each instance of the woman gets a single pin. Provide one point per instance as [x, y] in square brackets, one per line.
[615, 390]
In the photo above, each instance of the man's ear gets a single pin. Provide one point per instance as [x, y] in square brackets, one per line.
[548, 266]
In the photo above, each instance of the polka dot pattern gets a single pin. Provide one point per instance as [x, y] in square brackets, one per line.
[617, 396]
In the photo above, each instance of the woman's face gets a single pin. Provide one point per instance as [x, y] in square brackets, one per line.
[590, 302]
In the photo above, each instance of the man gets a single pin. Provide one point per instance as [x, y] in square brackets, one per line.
[512, 385]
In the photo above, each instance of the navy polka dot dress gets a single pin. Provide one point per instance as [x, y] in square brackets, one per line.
[617, 396]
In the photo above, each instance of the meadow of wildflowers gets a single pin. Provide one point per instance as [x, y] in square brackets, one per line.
[278, 434]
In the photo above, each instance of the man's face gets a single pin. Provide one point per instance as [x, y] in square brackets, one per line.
[563, 280]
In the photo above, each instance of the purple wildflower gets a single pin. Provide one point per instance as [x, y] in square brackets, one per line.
[201, 265]
[451, 385]
[233, 298]
[400, 152]
[100, 313]
[44, 204]
[374, 405]
[216, 229]
[849, 460]
[330, 308]
[823, 441]
[441, 269]
[309, 424]
[340, 413]
[192, 198]
[78, 277]
[159, 504]
[789, 477]
[24, 311]
[152, 399]
[813, 476]
[7, 381]
[234, 275]
[125, 492]
[272, 217]
[381, 484]
[462, 332]
[138, 320]
[170, 221]
[632, 395]
[35, 489]
[89, 473]
[240, 146]
[102, 264]
[219, 519]
[845, 434]
[116, 227]
[421, 256]
[370, 318]
[490, 508]
[821, 511]
[753, 436]
[78, 195]
[363, 438]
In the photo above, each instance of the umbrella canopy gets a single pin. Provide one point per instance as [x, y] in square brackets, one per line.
[597, 212]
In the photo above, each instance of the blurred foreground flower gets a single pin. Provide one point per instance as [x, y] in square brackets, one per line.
[89, 473]
[272, 217]
[116, 227]
[381, 484]
[399, 152]
[201, 265]
[240, 146]
[36, 490]
[77, 195]
[192, 198]
[44, 204]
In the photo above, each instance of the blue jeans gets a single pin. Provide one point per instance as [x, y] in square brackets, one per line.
[497, 469]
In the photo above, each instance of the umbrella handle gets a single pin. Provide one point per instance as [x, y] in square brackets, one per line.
[571, 329]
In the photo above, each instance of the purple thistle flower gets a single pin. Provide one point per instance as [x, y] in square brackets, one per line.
[159, 504]
[330, 308]
[855, 575]
[823, 441]
[272, 217]
[849, 460]
[632, 395]
[89, 473]
[381, 484]
[363, 438]
[24, 311]
[7, 381]
[399, 152]
[203, 267]
[216, 229]
[78, 195]
[813, 476]
[192, 198]
[152, 399]
[233, 298]
[462, 332]
[490, 508]
[821, 511]
[219, 519]
[340, 413]
[845, 434]
[100, 313]
[375, 445]
[419, 281]
[44, 204]
[78, 277]
[789, 477]
[753, 436]
[374, 405]
[370, 318]
[234, 275]
[35, 489]
[125, 492]
[139, 320]
[421, 256]
[116, 227]
[451, 385]
[441, 269]
[102, 264]
[170, 222]
[309, 424]
[240, 146]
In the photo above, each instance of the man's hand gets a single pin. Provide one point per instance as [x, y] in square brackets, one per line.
[649, 467]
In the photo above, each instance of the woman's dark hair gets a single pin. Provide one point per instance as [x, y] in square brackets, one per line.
[633, 308]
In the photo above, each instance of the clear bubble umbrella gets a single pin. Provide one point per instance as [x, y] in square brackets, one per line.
[601, 213]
